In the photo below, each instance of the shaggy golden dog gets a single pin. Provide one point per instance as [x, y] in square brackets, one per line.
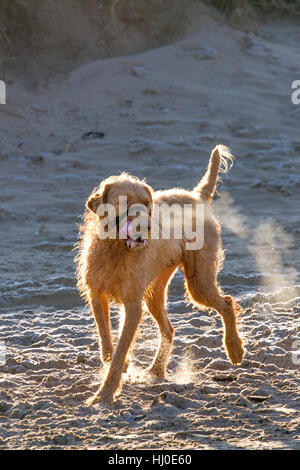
[132, 270]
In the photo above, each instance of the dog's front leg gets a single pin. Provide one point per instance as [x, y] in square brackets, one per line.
[106, 393]
[100, 308]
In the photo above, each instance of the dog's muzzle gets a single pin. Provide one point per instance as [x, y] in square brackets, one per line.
[130, 238]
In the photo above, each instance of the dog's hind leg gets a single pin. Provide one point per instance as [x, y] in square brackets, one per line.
[100, 307]
[156, 299]
[202, 287]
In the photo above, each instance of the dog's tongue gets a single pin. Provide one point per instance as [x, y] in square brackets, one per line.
[125, 230]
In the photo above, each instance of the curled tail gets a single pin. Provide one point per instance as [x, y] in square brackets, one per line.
[221, 160]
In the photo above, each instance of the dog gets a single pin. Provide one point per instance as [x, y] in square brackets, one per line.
[134, 271]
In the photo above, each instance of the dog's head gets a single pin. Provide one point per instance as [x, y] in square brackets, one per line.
[126, 203]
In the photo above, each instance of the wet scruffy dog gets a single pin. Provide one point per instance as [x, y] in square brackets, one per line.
[133, 271]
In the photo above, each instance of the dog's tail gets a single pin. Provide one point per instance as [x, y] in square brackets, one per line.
[221, 160]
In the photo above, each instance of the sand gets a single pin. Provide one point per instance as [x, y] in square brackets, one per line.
[158, 114]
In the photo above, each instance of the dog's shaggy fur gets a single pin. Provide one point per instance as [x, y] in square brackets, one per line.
[108, 270]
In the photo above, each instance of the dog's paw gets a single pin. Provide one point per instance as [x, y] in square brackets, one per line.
[155, 373]
[101, 396]
[235, 350]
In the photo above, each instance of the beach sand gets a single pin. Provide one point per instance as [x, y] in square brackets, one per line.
[158, 114]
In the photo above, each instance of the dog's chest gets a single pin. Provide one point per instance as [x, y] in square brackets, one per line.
[124, 278]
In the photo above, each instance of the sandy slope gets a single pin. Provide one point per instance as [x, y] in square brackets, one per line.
[161, 113]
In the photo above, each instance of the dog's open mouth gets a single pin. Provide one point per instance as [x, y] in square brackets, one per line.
[129, 238]
[131, 242]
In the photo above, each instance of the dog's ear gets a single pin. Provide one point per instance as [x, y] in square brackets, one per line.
[93, 202]
[97, 198]
[150, 192]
